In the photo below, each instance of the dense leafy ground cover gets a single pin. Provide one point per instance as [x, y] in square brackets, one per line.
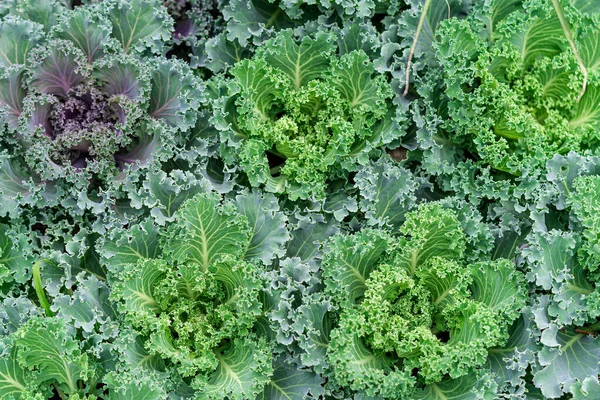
[286, 199]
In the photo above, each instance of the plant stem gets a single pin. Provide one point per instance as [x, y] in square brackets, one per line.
[61, 394]
[39, 288]
[414, 44]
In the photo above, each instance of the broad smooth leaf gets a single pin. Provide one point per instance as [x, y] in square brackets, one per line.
[574, 359]
[241, 372]
[269, 232]
[291, 383]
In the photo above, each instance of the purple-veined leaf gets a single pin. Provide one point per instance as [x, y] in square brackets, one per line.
[58, 73]
[174, 95]
[121, 78]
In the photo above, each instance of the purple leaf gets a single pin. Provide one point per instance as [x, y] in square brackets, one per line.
[120, 79]
[57, 74]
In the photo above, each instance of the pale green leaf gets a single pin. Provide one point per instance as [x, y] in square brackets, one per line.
[206, 231]
[574, 359]
[17, 38]
[349, 261]
[13, 377]
[304, 62]
[49, 346]
[86, 31]
[242, 372]
[130, 246]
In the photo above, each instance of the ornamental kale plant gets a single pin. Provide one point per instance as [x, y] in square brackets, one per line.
[295, 200]
[521, 80]
[87, 98]
[412, 312]
[194, 300]
[297, 114]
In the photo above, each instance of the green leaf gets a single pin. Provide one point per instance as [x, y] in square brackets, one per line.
[542, 38]
[589, 389]
[86, 31]
[87, 306]
[49, 346]
[12, 95]
[139, 24]
[221, 53]
[308, 235]
[15, 254]
[470, 387]
[588, 108]
[586, 207]
[574, 359]
[250, 18]
[353, 78]
[506, 246]
[205, 231]
[552, 261]
[241, 284]
[304, 62]
[13, 377]
[14, 185]
[499, 286]
[131, 246]
[509, 362]
[174, 95]
[387, 193]
[291, 383]
[313, 325]
[358, 367]
[268, 224]
[138, 284]
[43, 12]
[434, 231]
[437, 12]
[17, 38]
[14, 312]
[243, 370]
[164, 193]
[136, 355]
[590, 54]
[125, 387]
[349, 261]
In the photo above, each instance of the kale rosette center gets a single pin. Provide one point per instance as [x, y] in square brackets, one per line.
[76, 124]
